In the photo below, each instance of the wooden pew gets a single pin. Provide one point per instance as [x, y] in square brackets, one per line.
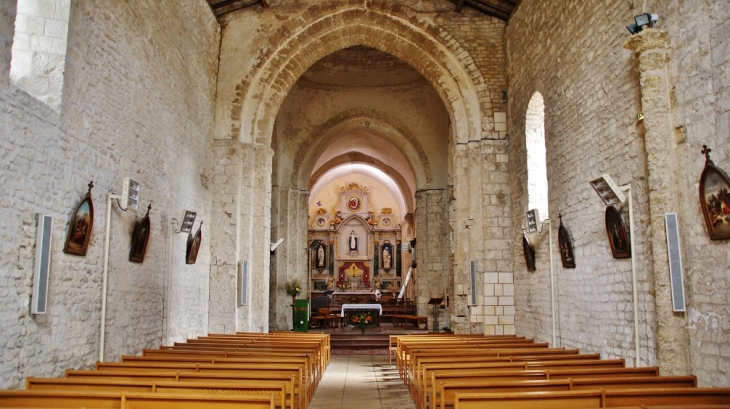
[445, 391]
[296, 399]
[593, 398]
[517, 375]
[243, 387]
[460, 368]
[302, 379]
[124, 400]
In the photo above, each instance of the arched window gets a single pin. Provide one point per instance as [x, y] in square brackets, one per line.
[39, 48]
[537, 184]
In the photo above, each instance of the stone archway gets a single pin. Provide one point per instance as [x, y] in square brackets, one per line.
[259, 95]
[245, 133]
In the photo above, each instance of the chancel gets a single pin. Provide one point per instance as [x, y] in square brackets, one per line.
[321, 140]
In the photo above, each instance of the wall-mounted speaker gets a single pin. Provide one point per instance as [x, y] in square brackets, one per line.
[473, 277]
[42, 267]
[243, 283]
[675, 261]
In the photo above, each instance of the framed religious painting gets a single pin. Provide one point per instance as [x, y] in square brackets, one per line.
[529, 252]
[617, 236]
[79, 228]
[715, 198]
[354, 203]
[565, 245]
[140, 238]
[191, 255]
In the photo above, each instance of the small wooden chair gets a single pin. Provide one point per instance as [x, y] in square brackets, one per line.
[328, 316]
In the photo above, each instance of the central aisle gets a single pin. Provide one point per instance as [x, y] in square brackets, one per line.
[361, 381]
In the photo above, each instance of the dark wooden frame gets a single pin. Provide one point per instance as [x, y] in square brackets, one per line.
[140, 238]
[191, 255]
[565, 246]
[618, 238]
[79, 229]
[529, 252]
[718, 194]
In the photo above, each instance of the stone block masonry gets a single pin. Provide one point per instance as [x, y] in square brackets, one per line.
[131, 107]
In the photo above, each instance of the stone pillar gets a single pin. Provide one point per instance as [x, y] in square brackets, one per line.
[288, 221]
[433, 250]
[652, 49]
[240, 231]
[481, 227]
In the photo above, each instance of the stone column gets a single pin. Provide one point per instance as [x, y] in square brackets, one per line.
[433, 250]
[652, 49]
[240, 231]
[288, 221]
[481, 227]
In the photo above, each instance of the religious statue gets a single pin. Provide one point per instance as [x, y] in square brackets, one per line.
[337, 220]
[371, 219]
[353, 241]
[386, 258]
[320, 256]
[377, 282]
[331, 283]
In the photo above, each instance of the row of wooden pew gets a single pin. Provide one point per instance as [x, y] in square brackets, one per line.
[218, 371]
[474, 371]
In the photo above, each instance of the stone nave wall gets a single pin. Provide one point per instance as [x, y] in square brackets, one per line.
[572, 53]
[137, 101]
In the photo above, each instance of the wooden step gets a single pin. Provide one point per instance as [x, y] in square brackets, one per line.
[359, 341]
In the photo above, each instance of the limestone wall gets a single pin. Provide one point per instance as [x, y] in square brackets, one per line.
[572, 53]
[139, 84]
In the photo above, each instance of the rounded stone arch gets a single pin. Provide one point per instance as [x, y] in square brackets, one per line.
[326, 134]
[433, 53]
[355, 157]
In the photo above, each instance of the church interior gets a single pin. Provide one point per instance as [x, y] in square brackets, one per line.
[554, 170]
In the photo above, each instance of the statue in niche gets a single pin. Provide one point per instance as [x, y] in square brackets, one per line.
[320, 256]
[353, 241]
[386, 258]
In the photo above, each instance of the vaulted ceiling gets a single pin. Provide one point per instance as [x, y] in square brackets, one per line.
[501, 9]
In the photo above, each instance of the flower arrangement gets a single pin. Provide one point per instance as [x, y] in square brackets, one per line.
[342, 286]
[362, 320]
[293, 288]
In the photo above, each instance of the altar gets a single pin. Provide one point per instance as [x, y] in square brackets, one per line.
[355, 308]
[352, 297]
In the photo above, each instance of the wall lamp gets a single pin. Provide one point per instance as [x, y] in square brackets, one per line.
[188, 219]
[534, 224]
[608, 190]
[641, 21]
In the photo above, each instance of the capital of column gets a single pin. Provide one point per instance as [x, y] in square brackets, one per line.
[648, 39]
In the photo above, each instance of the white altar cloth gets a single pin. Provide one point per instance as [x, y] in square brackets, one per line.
[361, 307]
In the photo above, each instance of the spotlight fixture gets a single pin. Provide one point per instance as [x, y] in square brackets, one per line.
[186, 226]
[639, 116]
[608, 190]
[533, 221]
[641, 21]
[130, 195]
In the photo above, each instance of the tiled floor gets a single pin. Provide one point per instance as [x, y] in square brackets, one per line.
[361, 381]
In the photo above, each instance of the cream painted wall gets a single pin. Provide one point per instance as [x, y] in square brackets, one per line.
[378, 198]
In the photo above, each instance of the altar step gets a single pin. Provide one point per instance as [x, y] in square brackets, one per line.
[356, 341]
